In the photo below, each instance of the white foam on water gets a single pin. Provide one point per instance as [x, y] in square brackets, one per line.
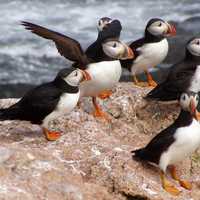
[76, 19]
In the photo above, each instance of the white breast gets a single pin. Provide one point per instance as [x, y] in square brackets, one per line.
[195, 83]
[104, 76]
[151, 54]
[187, 140]
[65, 105]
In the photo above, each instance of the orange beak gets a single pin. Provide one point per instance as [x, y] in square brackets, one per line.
[130, 55]
[86, 75]
[171, 30]
[193, 109]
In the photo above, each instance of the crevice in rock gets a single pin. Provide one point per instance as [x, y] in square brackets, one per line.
[134, 197]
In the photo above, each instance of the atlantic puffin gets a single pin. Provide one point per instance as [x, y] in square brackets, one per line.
[48, 101]
[150, 50]
[183, 76]
[105, 72]
[174, 143]
[108, 29]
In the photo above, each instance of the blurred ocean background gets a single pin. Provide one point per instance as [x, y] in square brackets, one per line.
[27, 60]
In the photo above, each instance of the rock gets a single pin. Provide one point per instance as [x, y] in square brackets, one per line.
[92, 159]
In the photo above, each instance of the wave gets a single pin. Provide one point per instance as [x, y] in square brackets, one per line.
[24, 57]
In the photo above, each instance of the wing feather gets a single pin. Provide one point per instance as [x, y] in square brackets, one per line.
[67, 47]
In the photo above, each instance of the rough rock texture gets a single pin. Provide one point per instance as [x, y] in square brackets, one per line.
[92, 160]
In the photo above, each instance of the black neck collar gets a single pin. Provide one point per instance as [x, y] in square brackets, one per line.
[184, 119]
[149, 38]
[64, 86]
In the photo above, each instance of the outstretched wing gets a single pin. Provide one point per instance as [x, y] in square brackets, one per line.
[67, 47]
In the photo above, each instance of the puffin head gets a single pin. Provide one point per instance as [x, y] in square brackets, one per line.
[159, 27]
[189, 101]
[117, 50]
[72, 76]
[193, 47]
[103, 22]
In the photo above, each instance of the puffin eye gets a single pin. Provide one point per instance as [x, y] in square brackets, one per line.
[183, 97]
[160, 24]
[114, 45]
[198, 43]
[76, 73]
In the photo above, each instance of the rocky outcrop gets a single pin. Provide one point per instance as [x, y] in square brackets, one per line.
[92, 159]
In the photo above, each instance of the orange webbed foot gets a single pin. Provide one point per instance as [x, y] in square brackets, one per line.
[185, 184]
[98, 111]
[152, 83]
[101, 114]
[105, 94]
[168, 186]
[51, 135]
[138, 83]
[150, 80]
[172, 189]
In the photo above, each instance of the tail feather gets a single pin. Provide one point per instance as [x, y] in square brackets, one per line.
[8, 113]
[159, 93]
[139, 154]
[156, 93]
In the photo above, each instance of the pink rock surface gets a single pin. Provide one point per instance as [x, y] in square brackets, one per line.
[92, 159]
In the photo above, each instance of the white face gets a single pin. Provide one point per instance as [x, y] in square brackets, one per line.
[194, 47]
[103, 22]
[186, 99]
[116, 49]
[74, 78]
[158, 28]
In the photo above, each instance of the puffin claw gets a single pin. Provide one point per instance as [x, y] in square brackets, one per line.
[168, 186]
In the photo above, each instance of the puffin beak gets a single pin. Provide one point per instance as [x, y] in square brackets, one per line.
[171, 31]
[130, 54]
[86, 75]
[193, 110]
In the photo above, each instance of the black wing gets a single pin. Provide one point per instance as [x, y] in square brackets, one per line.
[178, 81]
[37, 103]
[156, 146]
[67, 47]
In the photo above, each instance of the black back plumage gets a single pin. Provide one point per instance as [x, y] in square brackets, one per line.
[177, 81]
[40, 101]
[161, 142]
